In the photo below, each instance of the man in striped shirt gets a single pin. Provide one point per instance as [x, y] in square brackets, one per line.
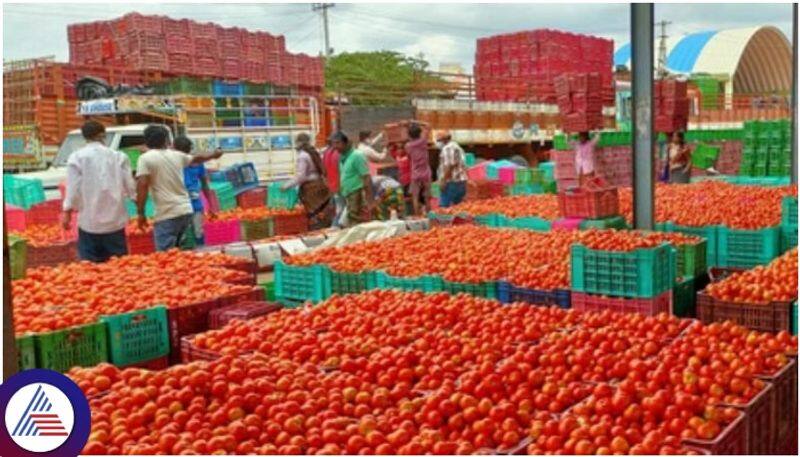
[452, 171]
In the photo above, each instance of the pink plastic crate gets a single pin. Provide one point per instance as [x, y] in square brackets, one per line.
[221, 232]
[646, 306]
[478, 172]
[567, 223]
[506, 175]
[45, 213]
[564, 184]
[212, 205]
[15, 218]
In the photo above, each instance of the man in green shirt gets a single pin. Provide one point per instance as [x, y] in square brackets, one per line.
[354, 180]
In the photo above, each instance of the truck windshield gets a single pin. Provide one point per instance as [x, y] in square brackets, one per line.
[71, 144]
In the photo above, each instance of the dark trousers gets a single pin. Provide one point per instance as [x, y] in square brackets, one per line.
[99, 247]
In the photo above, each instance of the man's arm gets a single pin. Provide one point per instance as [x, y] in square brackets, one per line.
[142, 187]
[129, 185]
[197, 160]
[71, 194]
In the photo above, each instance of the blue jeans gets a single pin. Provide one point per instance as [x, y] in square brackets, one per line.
[453, 193]
[170, 233]
[99, 247]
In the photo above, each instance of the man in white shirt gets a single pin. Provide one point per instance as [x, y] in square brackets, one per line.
[452, 171]
[99, 180]
[373, 157]
[160, 171]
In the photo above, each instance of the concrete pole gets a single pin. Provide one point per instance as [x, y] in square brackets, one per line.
[642, 114]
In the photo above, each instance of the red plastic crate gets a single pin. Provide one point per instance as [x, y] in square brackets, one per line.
[15, 218]
[180, 64]
[148, 60]
[230, 34]
[141, 243]
[220, 317]
[589, 203]
[784, 420]
[290, 224]
[773, 317]
[143, 41]
[187, 320]
[254, 72]
[230, 50]
[206, 47]
[252, 198]
[254, 294]
[177, 26]
[207, 66]
[646, 306]
[152, 365]
[188, 352]
[135, 22]
[731, 441]
[44, 213]
[202, 30]
[176, 42]
[758, 416]
[52, 255]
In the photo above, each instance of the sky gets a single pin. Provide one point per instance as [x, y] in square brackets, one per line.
[443, 33]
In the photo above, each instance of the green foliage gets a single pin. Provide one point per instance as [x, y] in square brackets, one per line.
[379, 78]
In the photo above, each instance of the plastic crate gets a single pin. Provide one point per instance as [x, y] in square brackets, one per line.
[794, 319]
[253, 294]
[690, 259]
[642, 273]
[709, 232]
[84, 346]
[141, 243]
[221, 232]
[188, 352]
[704, 156]
[613, 222]
[589, 204]
[508, 293]
[427, 283]
[22, 192]
[269, 291]
[548, 170]
[299, 284]
[530, 223]
[18, 253]
[26, 352]
[252, 198]
[137, 336]
[52, 255]
[187, 320]
[44, 213]
[447, 220]
[773, 317]
[278, 198]
[684, 298]
[491, 220]
[256, 230]
[351, 283]
[747, 248]
[732, 440]
[568, 223]
[223, 89]
[220, 317]
[646, 306]
[15, 218]
[789, 211]
[784, 419]
[290, 224]
[486, 289]
[758, 416]
[788, 238]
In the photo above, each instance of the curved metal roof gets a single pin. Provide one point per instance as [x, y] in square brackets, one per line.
[684, 54]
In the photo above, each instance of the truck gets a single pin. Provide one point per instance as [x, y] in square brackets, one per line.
[256, 135]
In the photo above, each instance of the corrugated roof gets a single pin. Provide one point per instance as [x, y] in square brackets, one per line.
[683, 56]
[623, 55]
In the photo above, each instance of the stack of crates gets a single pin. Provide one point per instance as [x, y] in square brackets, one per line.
[691, 275]
[639, 281]
[22, 192]
[788, 223]
[767, 148]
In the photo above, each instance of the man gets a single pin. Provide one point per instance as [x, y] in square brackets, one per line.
[99, 180]
[452, 171]
[355, 183]
[420, 187]
[160, 170]
[195, 179]
[365, 147]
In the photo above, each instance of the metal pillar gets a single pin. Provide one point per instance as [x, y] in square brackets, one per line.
[793, 174]
[9, 343]
[642, 114]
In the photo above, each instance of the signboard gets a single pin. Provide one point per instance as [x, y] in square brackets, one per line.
[99, 106]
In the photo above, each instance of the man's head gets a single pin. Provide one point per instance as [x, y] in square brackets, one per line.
[339, 141]
[583, 137]
[414, 132]
[93, 131]
[443, 137]
[183, 144]
[156, 136]
[364, 135]
[302, 140]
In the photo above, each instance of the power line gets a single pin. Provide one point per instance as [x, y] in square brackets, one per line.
[379, 15]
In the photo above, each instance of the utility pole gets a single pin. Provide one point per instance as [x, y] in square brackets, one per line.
[324, 8]
[662, 49]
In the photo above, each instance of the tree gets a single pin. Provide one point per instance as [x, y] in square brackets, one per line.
[379, 78]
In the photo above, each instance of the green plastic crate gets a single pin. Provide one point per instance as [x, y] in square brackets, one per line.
[252, 89]
[684, 298]
[548, 170]
[436, 190]
[189, 240]
[277, 198]
[137, 336]
[642, 273]
[227, 109]
[469, 159]
[428, 283]
[710, 233]
[269, 291]
[487, 289]
[747, 248]
[531, 223]
[22, 192]
[18, 254]
[704, 156]
[26, 352]
[491, 220]
[299, 284]
[351, 283]
[789, 211]
[788, 238]
[84, 346]
[615, 222]
[690, 259]
[187, 86]
[550, 187]
[560, 142]
[256, 230]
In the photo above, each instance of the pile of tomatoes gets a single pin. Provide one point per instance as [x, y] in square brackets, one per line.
[764, 284]
[714, 203]
[257, 213]
[535, 260]
[45, 235]
[414, 373]
[542, 205]
[78, 293]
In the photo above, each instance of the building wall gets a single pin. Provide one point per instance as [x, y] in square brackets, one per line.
[353, 119]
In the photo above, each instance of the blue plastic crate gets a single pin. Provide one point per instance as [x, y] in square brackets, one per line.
[641, 273]
[224, 89]
[508, 293]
